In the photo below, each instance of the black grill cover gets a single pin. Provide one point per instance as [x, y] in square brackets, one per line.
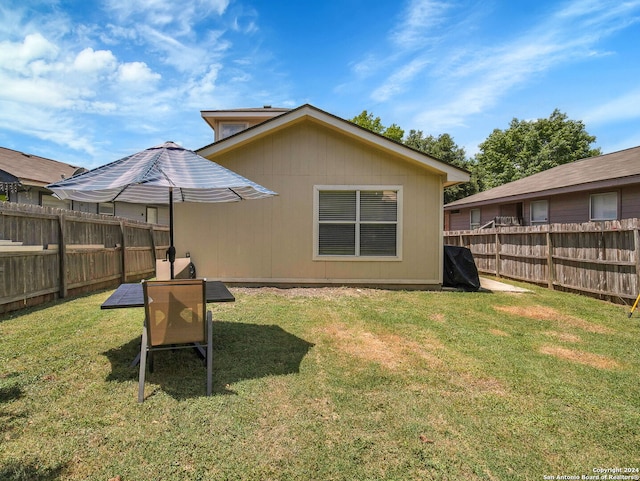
[460, 269]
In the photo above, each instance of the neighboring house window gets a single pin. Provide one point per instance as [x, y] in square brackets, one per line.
[229, 128]
[539, 212]
[475, 218]
[357, 222]
[106, 208]
[604, 206]
[152, 215]
[47, 200]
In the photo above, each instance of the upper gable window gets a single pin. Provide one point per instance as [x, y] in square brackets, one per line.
[230, 128]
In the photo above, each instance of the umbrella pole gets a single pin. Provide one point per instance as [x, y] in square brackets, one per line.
[172, 250]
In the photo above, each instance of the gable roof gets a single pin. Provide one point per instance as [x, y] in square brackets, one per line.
[603, 171]
[453, 175]
[34, 170]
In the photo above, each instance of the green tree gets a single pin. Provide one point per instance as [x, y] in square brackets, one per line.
[529, 147]
[444, 148]
[368, 121]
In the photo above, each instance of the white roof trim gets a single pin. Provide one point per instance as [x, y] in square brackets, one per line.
[453, 175]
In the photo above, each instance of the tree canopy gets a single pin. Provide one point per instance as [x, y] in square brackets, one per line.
[444, 148]
[368, 121]
[528, 147]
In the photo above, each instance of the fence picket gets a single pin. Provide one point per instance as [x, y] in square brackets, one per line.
[78, 252]
[595, 258]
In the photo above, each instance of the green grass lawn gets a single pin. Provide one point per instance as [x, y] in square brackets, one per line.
[327, 384]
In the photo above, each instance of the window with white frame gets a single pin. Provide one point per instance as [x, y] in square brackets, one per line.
[357, 222]
[47, 200]
[230, 128]
[474, 220]
[152, 215]
[106, 208]
[603, 206]
[539, 212]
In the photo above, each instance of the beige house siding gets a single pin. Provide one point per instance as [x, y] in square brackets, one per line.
[271, 241]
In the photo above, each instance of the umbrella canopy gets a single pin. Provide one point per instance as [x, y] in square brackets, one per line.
[149, 176]
[163, 174]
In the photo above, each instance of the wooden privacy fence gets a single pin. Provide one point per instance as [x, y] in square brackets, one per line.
[48, 253]
[596, 258]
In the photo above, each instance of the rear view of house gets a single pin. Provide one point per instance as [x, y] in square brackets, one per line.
[354, 208]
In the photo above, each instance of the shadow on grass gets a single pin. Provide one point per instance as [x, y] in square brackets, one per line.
[9, 419]
[10, 393]
[16, 471]
[241, 351]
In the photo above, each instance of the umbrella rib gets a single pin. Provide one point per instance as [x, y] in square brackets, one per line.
[239, 196]
[115, 197]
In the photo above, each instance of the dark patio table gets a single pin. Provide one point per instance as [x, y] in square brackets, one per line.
[130, 295]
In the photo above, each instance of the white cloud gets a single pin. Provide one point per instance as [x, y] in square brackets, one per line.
[90, 61]
[137, 75]
[418, 21]
[398, 80]
[43, 123]
[624, 107]
[166, 13]
[479, 77]
[17, 56]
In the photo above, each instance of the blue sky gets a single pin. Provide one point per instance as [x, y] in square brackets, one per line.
[88, 82]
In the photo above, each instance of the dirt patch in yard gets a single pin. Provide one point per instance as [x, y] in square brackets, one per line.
[320, 292]
[498, 332]
[389, 350]
[563, 336]
[586, 358]
[550, 314]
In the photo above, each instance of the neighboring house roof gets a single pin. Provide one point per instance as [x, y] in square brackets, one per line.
[453, 175]
[603, 171]
[34, 170]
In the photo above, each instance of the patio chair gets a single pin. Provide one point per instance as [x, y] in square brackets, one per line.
[176, 317]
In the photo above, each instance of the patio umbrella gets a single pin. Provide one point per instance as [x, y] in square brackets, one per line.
[163, 174]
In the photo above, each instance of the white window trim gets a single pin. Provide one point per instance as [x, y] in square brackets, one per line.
[599, 194]
[48, 200]
[538, 222]
[107, 208]
[316, 223]
[152, 209]
[242, 126]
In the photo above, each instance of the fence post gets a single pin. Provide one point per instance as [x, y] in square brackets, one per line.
[62, 253]
[153, 244]
[550, 266]
[497, 254]
[636, 246]
[123, 252]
